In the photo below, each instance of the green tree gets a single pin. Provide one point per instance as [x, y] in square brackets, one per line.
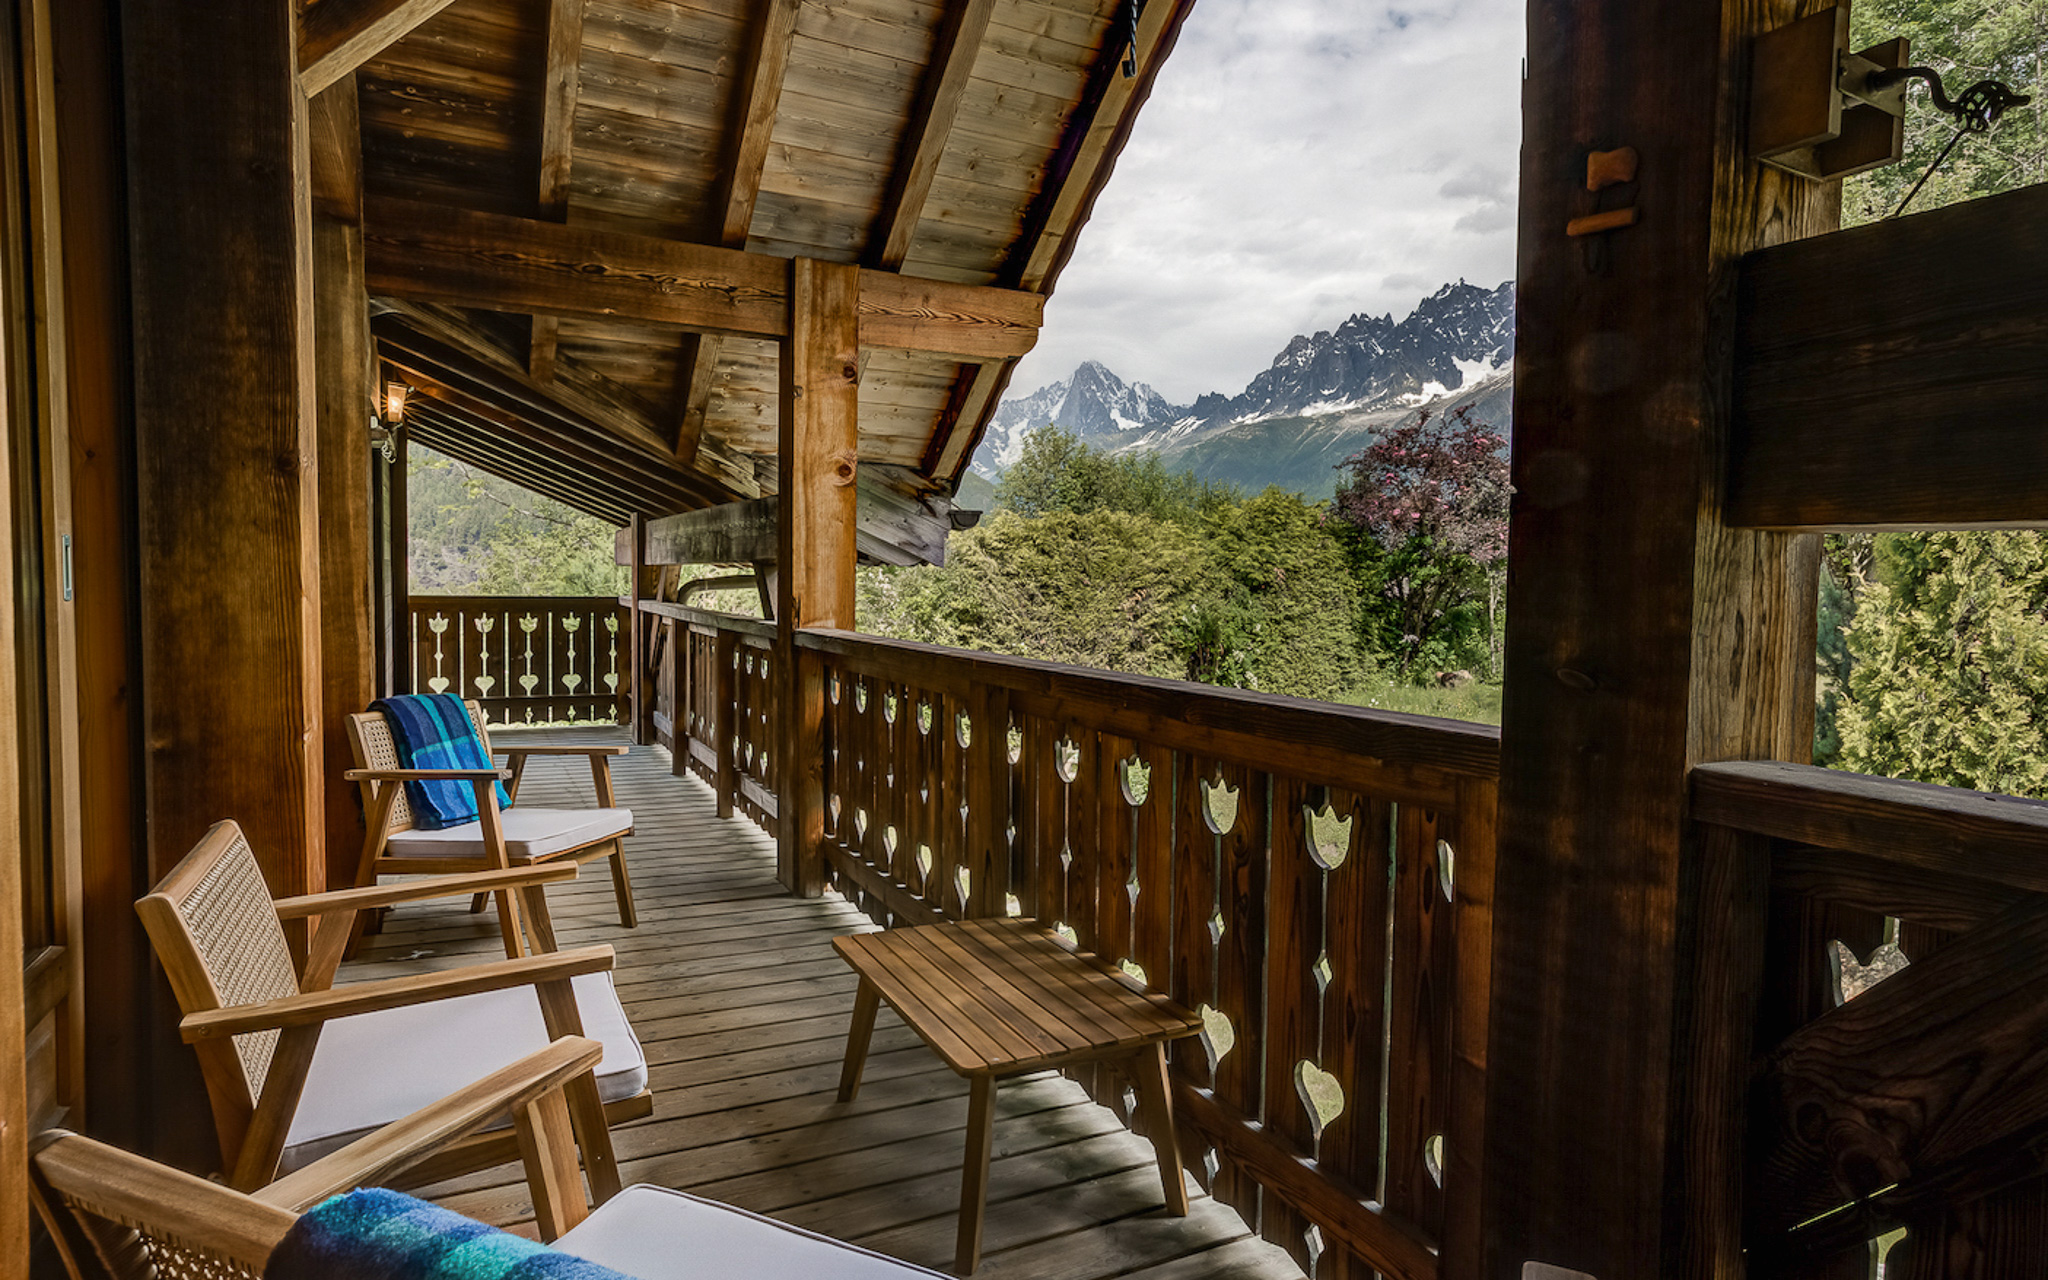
[471, 532]
[1949, 681]
[1057, 471]
[1288, 603]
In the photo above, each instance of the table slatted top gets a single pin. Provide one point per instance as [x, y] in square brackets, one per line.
[995, 997]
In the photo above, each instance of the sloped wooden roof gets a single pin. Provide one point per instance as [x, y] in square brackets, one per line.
[959, 143]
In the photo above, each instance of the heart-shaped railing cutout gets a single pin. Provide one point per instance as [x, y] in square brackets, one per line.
[1446, 868]
[1321, 1096]
[924, 860]
[1015, 738]
[963, 728]
[924, 717]
[1066, 759]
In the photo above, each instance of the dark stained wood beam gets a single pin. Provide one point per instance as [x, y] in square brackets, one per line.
[1896, 376]
[752, 124]
[428, 253]
[1933, 1078]
[977, 389]
[931, 122]
[576, 389]
[338, 36]
[561, 84]
[345, 369]
[1624, 944]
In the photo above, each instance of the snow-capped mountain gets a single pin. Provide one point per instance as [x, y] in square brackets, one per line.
[1093, 402]
[1321, 400]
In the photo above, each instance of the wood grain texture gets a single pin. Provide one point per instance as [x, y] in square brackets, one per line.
[931, 124]
[1688, 648]
[1996, 839]
[431, 254]
[1914, 402]
[224, 396]
[337, 36]
[1937, 1071]
[14, 1117]
[561, 83]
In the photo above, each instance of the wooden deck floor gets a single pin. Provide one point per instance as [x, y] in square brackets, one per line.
[743, 1008]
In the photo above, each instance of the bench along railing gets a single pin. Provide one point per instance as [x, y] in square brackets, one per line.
[1923, 1101]
[527, 659]
[1315, 879]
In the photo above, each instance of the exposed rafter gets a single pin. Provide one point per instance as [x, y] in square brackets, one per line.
[434, 254]
[561, 86]
[574, 388]
[449, 430]
[338, 36]
[931, 123]
[755, 105]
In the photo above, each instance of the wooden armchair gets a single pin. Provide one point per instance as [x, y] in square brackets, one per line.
[118, 1216]
[513, 837]
[296, 1067]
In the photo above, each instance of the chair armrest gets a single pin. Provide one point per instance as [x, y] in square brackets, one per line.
[316, 904]
[425, 775]
[559, 750]
[392, 993]
[373, 1160]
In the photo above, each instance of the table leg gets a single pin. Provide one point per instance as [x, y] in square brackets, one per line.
[981, 1134]
[1155, 1101]
[865, 1002]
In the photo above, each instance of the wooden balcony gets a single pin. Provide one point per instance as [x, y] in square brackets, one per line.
[742, 1007]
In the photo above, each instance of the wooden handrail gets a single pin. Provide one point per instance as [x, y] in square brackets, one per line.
[2003, 839]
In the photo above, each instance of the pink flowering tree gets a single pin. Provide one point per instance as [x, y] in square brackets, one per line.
[1428, 506]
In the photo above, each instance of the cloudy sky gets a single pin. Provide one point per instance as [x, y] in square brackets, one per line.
[1299, 161]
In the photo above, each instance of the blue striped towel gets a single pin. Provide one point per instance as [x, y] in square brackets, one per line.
[433, 731]
[376, 1234]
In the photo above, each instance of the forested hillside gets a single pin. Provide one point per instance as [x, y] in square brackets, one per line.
[471, 533]
[1934, 646]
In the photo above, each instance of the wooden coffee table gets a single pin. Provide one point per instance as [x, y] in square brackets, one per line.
[997, 998]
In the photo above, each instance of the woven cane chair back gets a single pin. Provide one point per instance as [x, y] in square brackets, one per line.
[369, 736]
[134, 1219]
[229, 949]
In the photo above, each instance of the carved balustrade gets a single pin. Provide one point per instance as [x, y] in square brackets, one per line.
[527, 659]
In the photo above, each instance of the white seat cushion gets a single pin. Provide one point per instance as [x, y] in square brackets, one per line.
[653, 1233]
[373, 1068]
[529, 834]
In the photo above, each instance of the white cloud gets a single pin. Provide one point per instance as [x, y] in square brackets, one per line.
[1299, 161]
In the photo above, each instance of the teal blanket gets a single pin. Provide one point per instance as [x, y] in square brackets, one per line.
[382, 1235]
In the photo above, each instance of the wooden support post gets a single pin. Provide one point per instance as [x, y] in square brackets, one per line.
[14, 1220]
[636, 530]
[221, 253]
[818, 453]
[1646, 637]
[345, 366]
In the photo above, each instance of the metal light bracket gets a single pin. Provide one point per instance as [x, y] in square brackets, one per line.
[1813, 107]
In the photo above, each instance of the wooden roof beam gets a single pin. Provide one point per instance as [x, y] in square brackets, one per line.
[562, 85]
[1894, 376]
[338, 36]
[931, 124]
[432, 254]
[578, 389]
[445, 429]
[755, 106]
[900, 519]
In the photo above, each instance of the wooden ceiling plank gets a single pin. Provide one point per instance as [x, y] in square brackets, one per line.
[931, 124]
[433, 254]
[755, 107]
[561, 85]
[338, 36]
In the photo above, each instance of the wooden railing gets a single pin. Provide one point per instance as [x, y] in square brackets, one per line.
[528, 659]
[1316, 880]
[1923, 1101]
